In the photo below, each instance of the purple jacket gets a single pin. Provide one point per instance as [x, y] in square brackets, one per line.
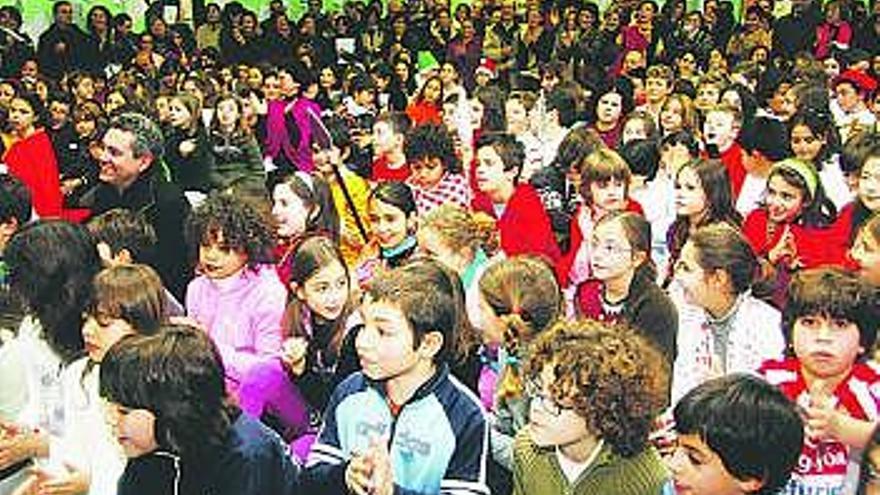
[243, 316]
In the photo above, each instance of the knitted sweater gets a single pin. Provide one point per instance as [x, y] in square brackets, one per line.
[536, 470]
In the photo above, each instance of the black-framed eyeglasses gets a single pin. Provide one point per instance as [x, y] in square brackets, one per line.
[534, 391]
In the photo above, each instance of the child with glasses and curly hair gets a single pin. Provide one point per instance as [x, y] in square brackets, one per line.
[595, 389]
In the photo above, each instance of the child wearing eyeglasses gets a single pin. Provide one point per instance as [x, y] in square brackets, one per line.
[624, 287]
[595, 388]
[830, 322]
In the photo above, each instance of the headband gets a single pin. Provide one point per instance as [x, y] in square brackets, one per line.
[307, 180]
[804, 170]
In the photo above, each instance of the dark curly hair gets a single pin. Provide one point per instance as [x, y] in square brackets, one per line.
[431, 141]
[243, 225]
[610, 374]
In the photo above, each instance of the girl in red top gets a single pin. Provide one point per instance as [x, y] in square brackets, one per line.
[605, 178]
[428, 103]
[31, 157]
[791, 229]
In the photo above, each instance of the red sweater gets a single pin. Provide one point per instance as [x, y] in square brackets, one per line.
[736, 168]
[32, 160]
[381, 172]
[524, 227]
[815, 246]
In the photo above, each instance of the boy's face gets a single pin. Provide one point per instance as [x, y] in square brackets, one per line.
[866, 253]
[826, 346]
[720, 129]
[385, 344]
[101, 331]
[134, 429]
[551, 423]
[491, 176]
[848, 97]
[697, 470]
[385, 140]
[656, 89]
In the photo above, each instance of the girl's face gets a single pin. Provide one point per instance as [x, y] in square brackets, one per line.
[692, 278]
[448, 74]
[228, 113]
[784, 201]
[218, 260]
[390, 224]
[634, 129]
[687, 64]
[101, 331]
[517, 116]
[804, 144]
[690, 199]
[402, 71]
[608, 195]
[609, 107]
[178, 115]
[866, 253]
[327, 79]
[869, 184]
[671, 118]
[326, 291]
[290, 211]
[827, 347]
[7, 93]
[611, 255]
[432, 91]
[21, 115]
[135, 429]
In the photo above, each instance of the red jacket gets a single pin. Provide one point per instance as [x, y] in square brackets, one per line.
[815, 246]
[32, 160]
[524, 226]
[736, 168]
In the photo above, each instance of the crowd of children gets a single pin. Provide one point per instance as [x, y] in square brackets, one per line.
[497, 247]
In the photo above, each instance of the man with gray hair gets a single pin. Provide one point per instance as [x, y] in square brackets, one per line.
[132, 177]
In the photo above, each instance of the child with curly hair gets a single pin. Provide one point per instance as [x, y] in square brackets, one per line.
[237, 295]
[595, 389]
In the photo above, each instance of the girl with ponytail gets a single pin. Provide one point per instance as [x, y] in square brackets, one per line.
[519, 298]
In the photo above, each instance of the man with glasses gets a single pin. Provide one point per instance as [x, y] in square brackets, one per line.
[594, 390]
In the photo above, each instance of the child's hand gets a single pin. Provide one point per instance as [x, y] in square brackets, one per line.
[383, 472]
[784, 248]
[821, 419]
[358, 473]
[187, 147]
[17, 444]
[72, 482]
[293, 354]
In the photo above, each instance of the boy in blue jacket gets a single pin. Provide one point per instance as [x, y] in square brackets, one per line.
[404, 424]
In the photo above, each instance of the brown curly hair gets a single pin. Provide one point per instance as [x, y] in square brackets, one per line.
[610, 375]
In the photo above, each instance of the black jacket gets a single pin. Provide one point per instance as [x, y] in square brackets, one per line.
[166, 209]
